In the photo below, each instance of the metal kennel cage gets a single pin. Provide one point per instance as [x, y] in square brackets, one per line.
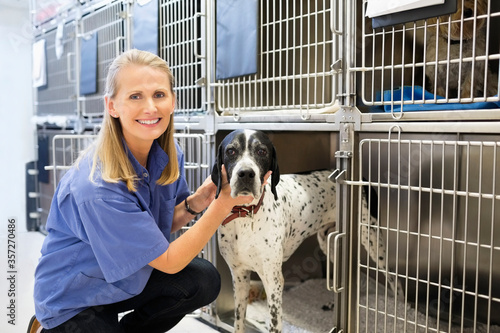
[108, 24]
[60, 148]
[182, 34]
[416, 61]
[58, 96]
[65, 148]
[298, 60]
[100, 29]
[436, 202]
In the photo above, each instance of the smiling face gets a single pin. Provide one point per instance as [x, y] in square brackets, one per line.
[144, 103]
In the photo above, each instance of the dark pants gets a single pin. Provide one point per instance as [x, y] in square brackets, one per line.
[165, 300]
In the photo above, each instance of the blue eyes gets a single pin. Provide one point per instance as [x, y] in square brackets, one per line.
[155, 95]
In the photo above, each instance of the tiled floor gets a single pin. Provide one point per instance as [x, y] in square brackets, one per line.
[28, 246]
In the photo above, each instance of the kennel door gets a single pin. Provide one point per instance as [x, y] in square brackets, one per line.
[183, 38]
[105, 25]
[296, 53]
[428, 64]
[57, 97]
[434, 235]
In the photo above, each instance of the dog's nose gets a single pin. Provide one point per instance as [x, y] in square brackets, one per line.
[246, 173]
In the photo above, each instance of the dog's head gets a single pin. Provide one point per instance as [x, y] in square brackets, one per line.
[247, 156]
[471, 12]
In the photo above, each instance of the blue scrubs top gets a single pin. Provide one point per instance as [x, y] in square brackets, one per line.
[101, 237]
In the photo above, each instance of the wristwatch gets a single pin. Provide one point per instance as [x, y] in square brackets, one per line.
[189, 210]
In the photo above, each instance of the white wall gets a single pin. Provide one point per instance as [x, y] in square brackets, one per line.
[17, 147]
[17, 134]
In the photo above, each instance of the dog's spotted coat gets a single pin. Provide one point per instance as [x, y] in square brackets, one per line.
[294, 207]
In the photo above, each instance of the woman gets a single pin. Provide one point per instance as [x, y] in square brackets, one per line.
[107, 250]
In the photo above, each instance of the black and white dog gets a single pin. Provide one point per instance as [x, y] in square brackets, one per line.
[260, 236]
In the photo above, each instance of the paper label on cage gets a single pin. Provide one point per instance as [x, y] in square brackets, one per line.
[384, 7]
[39, 73]
[59, 42]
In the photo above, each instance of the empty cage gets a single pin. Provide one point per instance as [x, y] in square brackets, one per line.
[436, 202]
[57, 97]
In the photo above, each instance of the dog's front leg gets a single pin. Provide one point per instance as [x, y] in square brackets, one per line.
[241, 283]
[273, 283]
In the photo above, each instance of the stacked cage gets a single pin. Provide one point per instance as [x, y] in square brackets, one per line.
[431, 181]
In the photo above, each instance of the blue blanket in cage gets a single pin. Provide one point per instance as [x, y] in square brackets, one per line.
[418, 94]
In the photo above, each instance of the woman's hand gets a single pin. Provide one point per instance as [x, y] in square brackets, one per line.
[225, 197]
[190, 243]
[205, 194]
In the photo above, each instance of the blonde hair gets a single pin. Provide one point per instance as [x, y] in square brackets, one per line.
[109, 153]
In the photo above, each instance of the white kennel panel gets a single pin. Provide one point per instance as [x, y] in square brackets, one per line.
[437, 203]
[298, 61]
[440, 55]
[108, 24]
[182, 44]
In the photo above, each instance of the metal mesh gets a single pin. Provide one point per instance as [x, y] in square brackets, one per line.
[181, 46]
[296, 51]
[467, 53]
[108, 23]
[58, 97]
[438, 208]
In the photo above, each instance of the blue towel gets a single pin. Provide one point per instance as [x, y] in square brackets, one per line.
[88, 66]
[418, 93]
[236, 38]
[145, 34]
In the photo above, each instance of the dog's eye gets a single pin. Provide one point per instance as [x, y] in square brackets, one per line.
[231, 151]
[261, 152]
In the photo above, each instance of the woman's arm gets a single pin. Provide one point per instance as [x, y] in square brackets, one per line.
[183, 250]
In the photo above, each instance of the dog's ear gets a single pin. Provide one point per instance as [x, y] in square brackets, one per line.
[216, 171]
[275, 177]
